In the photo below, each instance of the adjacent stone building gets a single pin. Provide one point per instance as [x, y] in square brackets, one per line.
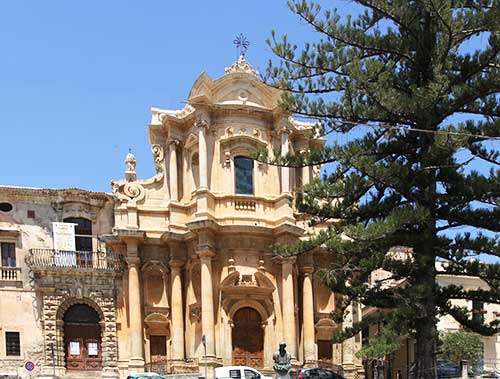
[144, 277]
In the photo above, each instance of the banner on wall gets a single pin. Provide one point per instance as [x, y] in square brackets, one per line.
[64, 236]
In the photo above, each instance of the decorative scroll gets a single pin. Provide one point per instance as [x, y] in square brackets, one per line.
[134, 191]
[159, 159]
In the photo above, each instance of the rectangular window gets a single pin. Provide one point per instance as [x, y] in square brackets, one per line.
[12, 344]
[478, 311]
[8, 251]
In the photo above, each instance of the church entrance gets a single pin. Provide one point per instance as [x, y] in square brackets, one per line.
[82, 338]
[248, 338]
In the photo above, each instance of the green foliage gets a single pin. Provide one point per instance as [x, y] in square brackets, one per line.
[461, 345]
[404, 73]
[381, 346]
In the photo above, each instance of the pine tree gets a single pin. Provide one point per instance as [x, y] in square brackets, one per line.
[421, 80]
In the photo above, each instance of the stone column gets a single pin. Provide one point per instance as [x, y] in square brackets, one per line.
[134, 304]
[308, 316]
[285, 171]
[172, 168]
[207, 301]
[289, 325]
[352, 364]
[177, 315]
[202, 153]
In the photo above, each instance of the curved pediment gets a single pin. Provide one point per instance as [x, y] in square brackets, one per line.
[156, 318]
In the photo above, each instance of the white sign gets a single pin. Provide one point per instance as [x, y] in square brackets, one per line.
[74, 348]
[64, 236]
[92, 348]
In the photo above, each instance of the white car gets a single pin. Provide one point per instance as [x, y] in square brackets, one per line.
[238, 372]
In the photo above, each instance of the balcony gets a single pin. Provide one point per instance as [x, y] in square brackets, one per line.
[50, 259]
[10, 277]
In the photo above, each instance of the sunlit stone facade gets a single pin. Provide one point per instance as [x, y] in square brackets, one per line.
[182, 255]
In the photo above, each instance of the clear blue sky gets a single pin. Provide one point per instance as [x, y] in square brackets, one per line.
[77, 79]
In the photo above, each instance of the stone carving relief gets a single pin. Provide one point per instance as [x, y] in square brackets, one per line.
[159, 159]
[132, 189]
[195, 312]
[241, 66]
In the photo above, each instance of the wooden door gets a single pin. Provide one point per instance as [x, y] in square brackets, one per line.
[158, 348]
[83, 347]
[325, 350]
[248, 338]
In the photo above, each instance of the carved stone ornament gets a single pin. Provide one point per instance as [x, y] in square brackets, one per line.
[227, 159]
[134, 191]
[159, 159]
[130, 161]
[125, 191]
[241, 66]
[201, 123]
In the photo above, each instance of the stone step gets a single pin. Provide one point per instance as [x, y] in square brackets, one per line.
[83, 375]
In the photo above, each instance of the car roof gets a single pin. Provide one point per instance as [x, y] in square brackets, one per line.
[233, 368]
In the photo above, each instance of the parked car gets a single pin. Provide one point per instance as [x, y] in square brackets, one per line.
[237, 372]
[146, 375]
[491, 374]
[446, 369]
[315, 373]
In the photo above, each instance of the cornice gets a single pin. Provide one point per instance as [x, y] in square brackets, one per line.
[61, 195]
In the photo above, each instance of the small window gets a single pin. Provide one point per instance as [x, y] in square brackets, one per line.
[8, 252]
[5, 207]
[234, 374]
[30, 213]
[12, 344]
[478, 311]
[243, 175]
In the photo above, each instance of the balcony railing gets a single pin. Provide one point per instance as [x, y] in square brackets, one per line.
[60, 259]
[10, 274]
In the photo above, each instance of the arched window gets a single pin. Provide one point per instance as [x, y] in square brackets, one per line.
[243, 175]
[83, 233]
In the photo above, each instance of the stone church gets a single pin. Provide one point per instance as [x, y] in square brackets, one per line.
[170, 273]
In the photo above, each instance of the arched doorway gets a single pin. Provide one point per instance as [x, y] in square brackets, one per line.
[82, 338]
[248, 338]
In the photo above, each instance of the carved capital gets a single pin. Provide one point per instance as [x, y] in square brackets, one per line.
[285, 130]
[173, 142]
[133, 261]
[202, 123]
[176, 264]
[307, 271]
[285, 260]
[205, 254]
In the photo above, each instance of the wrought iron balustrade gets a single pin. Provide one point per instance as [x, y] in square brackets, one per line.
[91, 260]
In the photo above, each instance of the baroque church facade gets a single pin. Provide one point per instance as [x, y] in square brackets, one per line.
[175, 271]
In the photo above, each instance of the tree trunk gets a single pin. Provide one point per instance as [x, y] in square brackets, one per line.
[426, 349]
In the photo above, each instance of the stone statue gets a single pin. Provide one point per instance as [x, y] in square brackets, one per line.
[130, 161]
[282, 362]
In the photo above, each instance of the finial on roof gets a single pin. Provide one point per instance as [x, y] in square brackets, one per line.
[241, 65]
[130, 162]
